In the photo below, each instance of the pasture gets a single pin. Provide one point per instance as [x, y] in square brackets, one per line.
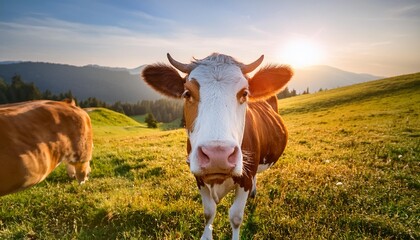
[351, 170]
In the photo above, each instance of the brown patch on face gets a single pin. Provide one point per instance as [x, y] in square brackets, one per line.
[192, 98]
[188, 146]
[242, 95]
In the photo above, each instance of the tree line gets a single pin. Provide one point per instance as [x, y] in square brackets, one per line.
[18, 91]
[286, 93]
[163, 110]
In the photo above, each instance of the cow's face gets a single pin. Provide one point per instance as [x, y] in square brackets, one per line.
[215, 107]
[216, 93]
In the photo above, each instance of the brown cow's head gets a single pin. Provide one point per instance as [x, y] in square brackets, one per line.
[216, 92]
[79, 170]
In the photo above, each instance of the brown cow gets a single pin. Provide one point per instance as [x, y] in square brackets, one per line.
[36, 136]
[234, 130]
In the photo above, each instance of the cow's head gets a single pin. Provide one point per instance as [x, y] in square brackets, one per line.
[79, 170]
[216, 91]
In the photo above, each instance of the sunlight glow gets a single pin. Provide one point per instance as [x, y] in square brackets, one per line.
[301, 53]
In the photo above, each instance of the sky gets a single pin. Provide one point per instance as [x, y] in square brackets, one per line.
[380, 37]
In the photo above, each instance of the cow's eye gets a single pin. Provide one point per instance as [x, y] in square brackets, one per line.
[243, 96]
[245, 93]
[186, 94]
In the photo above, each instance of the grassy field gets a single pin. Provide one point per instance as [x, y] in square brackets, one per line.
[351, 170]
[163, 126]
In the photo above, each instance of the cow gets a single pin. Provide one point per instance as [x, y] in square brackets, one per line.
[232, 121]
[36, 136]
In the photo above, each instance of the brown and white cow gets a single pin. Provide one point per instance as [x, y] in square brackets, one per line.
[234, 130]
[36, 136]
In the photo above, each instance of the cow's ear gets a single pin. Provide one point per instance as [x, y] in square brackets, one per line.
[269, 81]
[164, 79]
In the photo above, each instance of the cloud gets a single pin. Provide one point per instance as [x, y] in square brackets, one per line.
[151, 18]
[407, 12]
[55, 40]
[49, 37]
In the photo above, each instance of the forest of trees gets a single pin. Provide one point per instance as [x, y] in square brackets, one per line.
[163, 110]
[18, 91]
[286, 93]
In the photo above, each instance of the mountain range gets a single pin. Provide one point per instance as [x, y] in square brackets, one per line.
[123, 84]
[326, 77]
[107, 84]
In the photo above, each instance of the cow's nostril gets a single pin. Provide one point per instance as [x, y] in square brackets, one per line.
[233, 157]
[202, 156]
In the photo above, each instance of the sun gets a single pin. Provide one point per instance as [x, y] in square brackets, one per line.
[301, 53]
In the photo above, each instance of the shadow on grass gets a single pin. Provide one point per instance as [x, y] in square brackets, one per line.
[137, 224]
[250, 226]
[376, 227]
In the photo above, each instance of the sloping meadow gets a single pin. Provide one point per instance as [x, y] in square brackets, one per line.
[350, 171]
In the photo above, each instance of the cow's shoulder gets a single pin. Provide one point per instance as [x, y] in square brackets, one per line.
[265, 134]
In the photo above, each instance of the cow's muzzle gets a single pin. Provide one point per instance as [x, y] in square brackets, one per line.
[218, 160]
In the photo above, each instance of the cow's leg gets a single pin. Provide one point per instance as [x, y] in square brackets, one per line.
[236, 212]
[209, 212]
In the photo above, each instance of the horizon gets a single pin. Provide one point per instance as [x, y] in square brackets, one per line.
[143, 65]
[376, 37]
[313, 78]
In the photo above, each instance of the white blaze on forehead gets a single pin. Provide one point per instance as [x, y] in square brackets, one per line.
[219, 109]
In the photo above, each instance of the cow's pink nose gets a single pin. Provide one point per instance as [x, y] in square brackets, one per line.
[218, 156]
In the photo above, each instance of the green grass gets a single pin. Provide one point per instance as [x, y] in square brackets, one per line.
[106, 117]
[139, 118]
[175, 124]
[108, 124]
[351, 170]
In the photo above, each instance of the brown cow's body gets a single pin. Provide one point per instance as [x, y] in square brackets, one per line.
[36, 136]
[234, 130]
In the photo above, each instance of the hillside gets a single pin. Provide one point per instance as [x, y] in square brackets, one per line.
[107, 84]
[350, 171]
[106, 117]
[107, 123]
[369, 91]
